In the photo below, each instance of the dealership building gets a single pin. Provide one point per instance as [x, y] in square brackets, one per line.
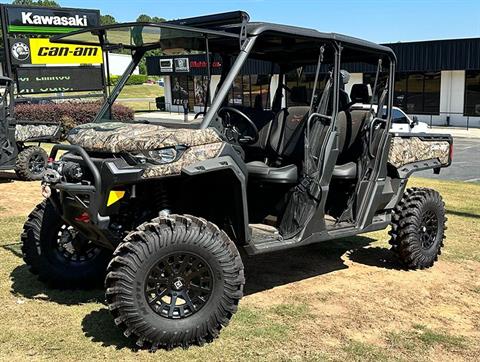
[438, 81]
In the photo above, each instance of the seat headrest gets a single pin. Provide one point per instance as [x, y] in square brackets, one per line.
[299, 95]
[361, 93]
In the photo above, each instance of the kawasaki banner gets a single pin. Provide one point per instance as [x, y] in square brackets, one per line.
[41, 51]
[33, 80]
[30, 19]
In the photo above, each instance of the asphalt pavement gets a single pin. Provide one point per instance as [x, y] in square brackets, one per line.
[466, 162]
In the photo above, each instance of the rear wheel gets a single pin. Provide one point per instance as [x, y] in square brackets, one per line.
[174, 282]
[58, 254]
[31, 163]
[418, 227]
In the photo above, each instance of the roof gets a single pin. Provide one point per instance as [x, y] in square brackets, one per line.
[257, 28]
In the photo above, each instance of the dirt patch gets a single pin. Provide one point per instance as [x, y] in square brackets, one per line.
[364, 306]
[18, 197]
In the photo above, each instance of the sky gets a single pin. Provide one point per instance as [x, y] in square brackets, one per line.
[374, 20]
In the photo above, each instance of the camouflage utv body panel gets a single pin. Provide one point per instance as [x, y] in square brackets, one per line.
[114, 137]
[117, 137]
[405, 150]
[28, 132]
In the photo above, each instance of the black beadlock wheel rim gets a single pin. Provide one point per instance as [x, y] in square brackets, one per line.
[36, 164]
[71, 247]
[179, 285]
[429, 229]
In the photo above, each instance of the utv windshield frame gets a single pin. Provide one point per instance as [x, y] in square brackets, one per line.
[272, 44]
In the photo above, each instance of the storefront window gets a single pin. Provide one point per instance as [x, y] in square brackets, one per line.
[431, 93]
[192, 88]
[180, 90]
[369, 78]
[414, 102]
[259, 91]
[236, 93]
[201, 84]
[400, 90]
[246, 91]
[250, 91]
[415, 93]
[472, 93]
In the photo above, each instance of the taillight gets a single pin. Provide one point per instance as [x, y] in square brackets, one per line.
[451, 152]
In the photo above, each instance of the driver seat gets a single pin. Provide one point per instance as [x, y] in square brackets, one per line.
[284, 131]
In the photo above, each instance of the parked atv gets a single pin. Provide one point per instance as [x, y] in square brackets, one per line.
[29, 162]
[163, 212]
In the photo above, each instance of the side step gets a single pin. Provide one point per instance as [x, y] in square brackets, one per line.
[262, 234]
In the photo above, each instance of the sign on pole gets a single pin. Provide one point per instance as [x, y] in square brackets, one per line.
[42, 51]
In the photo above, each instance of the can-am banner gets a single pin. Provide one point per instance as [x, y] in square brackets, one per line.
[32, 80]
[30, 19]
[41, 51]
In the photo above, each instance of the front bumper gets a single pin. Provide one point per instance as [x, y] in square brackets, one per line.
[73, 199]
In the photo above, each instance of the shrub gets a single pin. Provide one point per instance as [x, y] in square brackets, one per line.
[69, 114]
[135, 79]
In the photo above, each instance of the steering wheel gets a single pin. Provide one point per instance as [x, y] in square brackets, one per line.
[199, 114]
[232, 131]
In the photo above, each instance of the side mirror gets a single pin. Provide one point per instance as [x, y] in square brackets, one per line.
[415, 120]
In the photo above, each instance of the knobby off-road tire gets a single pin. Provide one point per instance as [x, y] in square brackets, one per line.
[58, 254]
[31, 164]
[418, 228]
[175, 281]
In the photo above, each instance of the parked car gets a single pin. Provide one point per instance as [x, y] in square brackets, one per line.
[401, 122]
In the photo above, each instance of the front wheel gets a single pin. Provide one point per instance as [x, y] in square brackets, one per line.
[418, 227]
[58, 254]
[174, 282]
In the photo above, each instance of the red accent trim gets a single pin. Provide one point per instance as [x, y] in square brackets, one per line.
[83, 218]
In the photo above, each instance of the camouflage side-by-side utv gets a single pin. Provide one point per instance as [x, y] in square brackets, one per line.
[29, 162]
[162, 212]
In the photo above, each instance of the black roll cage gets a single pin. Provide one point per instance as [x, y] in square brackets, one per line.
[247, 34]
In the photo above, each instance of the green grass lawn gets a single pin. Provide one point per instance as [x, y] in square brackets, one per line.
[345, 300]
[147, 91]
[142, 91]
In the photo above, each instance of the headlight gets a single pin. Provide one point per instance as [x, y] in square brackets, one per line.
[165, 155]
[161, 156]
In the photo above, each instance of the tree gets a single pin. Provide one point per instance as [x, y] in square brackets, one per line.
[46, 3]
[156, 19]
[143, 18]
[107, 20]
